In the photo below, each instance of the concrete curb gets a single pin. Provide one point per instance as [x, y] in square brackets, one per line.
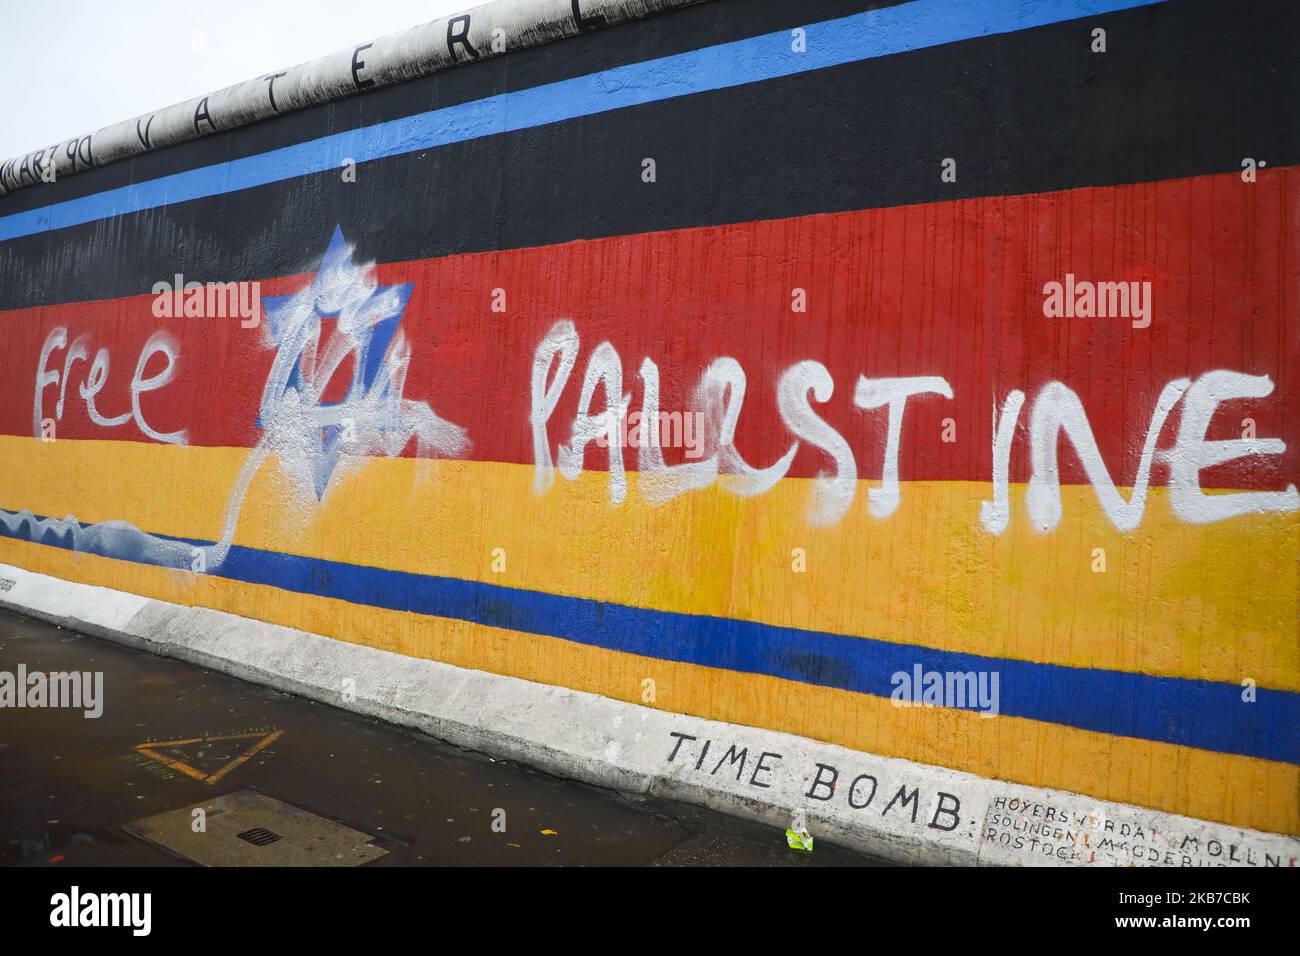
[897, 809]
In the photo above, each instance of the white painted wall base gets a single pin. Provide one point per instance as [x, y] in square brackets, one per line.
[898, 809]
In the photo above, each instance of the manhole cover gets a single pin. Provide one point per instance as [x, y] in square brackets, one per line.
[247, 828]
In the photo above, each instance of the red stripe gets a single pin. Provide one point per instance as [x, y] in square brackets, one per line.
[951, 289]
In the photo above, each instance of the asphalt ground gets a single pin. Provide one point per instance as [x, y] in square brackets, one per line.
[173, 737]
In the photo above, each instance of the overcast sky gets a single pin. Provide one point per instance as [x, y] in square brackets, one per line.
[73, 66]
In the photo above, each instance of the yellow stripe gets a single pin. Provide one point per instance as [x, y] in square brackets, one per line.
[1215, 602]
[1241, 791]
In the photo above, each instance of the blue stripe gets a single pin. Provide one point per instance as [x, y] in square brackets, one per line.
[862, 36]
[1194, 713]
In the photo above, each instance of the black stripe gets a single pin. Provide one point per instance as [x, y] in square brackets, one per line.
[718, 21]
[1175, 95]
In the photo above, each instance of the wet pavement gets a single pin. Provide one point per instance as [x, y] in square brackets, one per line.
[174, 736]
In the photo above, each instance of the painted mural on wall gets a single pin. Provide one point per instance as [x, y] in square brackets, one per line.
[786, 444]
[309, 436]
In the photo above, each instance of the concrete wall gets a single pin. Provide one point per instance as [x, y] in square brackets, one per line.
[851, 256]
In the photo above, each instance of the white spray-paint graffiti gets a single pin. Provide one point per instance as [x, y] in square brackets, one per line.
[160, 343]
[307, 435]
[1056, 410]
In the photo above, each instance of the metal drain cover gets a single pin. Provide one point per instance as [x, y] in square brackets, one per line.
[247, 828]
[258, 836]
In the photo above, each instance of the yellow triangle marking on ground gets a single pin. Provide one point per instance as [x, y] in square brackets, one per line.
[148, 750]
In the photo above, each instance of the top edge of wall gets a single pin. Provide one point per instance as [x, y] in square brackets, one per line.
[488, 30]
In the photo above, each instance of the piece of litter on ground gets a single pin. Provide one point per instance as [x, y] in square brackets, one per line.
[549, 833]
[799, 840]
